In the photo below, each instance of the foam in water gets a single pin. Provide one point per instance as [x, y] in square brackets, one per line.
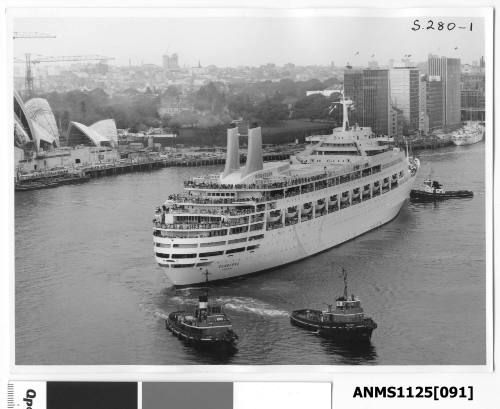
[240, 304]
[247, 304]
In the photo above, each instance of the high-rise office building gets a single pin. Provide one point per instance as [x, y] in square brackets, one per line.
[353, 89]
[434, 101]
[369, 89]
[404, 85]
[376, 100]
[472, 94]
[449, 71]
[423, 117]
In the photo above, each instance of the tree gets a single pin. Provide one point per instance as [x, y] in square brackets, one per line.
[312, 107]
[184, 119]
[172, 92]
[240, 105]
[165, 120]
[267, 112]
[210, 98]
[138, 127]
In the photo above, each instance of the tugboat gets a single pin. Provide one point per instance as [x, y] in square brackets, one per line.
[346, 322]
[434, 191]
[206, 326]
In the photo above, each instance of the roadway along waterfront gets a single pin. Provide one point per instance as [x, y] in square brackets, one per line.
[89, 292]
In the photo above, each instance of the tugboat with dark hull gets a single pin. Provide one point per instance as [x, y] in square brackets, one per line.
[433, 191]
[205, 327]
[344, 323]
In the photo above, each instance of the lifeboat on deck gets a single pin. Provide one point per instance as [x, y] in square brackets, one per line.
[306, 209]
[291, 212]
[274, 216]
[320, 205]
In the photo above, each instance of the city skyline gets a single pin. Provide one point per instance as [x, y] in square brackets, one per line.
[253, 41]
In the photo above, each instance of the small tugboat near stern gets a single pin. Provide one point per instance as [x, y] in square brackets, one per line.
[206, 326]
[346, 322]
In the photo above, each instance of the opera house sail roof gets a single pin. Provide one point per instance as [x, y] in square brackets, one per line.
[35, 128]
[40, 112]
[102, 133]
[34, 124]
[23, 129]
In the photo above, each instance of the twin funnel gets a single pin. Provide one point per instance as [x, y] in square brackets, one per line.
[254, 161]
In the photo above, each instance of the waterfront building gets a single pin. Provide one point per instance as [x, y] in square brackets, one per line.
[472, 96]
[102, 133]
[353, 89]
[34, 125]
[40, 112]
[404, 85]
[65, 157]
[434, 101]
[449, 70]
[423, 117]
[376, 100]
[396, 122]
[369, 89]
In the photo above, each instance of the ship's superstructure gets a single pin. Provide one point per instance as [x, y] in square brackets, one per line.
[263, 215]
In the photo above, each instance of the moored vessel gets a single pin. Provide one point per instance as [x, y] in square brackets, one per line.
[48, 179]
[472, 132]
[262, 215]
[345, 322]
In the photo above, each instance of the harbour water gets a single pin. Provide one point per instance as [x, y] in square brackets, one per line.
[89, 292]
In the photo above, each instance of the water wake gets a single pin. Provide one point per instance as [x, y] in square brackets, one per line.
[240, 304]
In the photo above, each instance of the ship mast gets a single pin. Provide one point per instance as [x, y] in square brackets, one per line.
[344, 276]
[346, 103]
[206, 273]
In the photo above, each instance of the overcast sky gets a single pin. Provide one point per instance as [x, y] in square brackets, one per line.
[250, 41]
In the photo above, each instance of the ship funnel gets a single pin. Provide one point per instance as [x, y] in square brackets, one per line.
[232, 151]
[254, 155]
[202, 302]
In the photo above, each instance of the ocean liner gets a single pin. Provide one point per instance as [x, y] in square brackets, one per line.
[263, 215]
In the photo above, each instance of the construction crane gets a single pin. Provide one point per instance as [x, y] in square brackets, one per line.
[30, 61]
[19, 34]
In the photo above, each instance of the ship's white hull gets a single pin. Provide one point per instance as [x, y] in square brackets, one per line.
[291, 243]
[468, 140]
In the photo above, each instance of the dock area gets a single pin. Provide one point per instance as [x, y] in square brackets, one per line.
[143, 163]
[422, 143]
[148, 164]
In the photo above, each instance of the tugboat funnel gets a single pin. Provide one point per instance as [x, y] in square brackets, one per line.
[202, 302]
[232, 154]
[254, 156]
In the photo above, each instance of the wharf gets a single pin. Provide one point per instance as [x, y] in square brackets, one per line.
[148, 164]
[425, 143]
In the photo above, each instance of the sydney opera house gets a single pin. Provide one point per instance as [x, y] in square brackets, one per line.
[35, 128]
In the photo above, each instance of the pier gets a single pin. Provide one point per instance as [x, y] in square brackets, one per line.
[425, 143]
[146, 164]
